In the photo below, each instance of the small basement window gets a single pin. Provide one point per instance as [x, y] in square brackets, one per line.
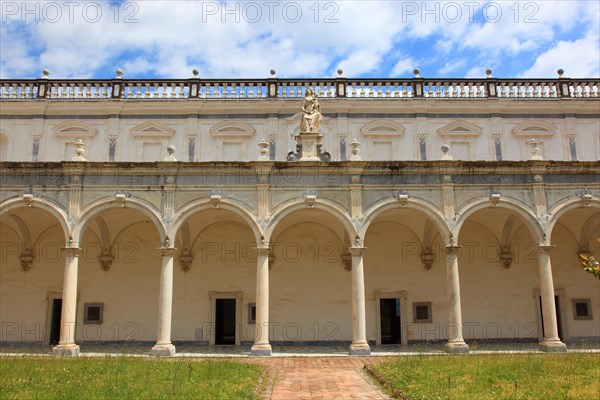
[93, 313]
[252, 313]
[422, 312]
[582, 309]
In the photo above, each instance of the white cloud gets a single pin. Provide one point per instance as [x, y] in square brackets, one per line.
[171, 38]
[568, 55]
[404, 67]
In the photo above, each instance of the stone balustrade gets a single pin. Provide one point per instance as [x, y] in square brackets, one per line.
[340, 87]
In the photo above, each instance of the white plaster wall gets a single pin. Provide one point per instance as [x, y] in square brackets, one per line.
[577, 284]
[129, 290]
[392, 264]
[23, 295]
[497, 303]
[209, 147]
[310, 290]
[225, 263]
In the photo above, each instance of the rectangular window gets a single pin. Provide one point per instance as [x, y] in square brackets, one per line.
[93, 313]
[582, 309]
[422, 312]
[252, 313]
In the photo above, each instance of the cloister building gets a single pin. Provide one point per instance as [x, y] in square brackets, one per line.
[448, 211]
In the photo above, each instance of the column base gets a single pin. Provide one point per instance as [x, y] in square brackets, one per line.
[261, 350]
[163, 350]
[360, 349]
[67, 350]
[553, 346]
[456, 347]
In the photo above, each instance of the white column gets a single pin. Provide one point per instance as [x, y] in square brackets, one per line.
[66, 345]
[551, 342]
[456, 343]
[359, 345]
[261, 346]
[163, 346]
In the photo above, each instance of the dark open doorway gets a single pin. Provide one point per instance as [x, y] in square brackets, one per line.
[225, 321]
[55, 321]
[389, 313]
[558, 318]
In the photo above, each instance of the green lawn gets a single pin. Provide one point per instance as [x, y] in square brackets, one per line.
[518, 376]
[126, 378]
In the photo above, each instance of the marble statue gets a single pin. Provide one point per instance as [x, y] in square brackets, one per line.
[311, 118]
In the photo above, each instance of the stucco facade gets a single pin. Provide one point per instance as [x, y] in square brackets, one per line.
[126, 246]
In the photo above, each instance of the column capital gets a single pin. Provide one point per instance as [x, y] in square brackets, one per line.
[167, 251]
[356, 251]
[545, 248]
[452, 248]
[72, 249]
[263, 250]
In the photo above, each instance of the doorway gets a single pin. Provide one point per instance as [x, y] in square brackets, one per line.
[389, 316]
[55, 317]
[558, 318]
[225, 317]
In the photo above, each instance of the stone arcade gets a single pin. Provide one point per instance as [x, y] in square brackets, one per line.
[450, 211]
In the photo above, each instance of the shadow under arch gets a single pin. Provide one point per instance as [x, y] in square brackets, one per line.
[428, 210]
[535, 228]
[559, 210]
[53, 208]
[187, 211]
[93, 209]
[329, 207]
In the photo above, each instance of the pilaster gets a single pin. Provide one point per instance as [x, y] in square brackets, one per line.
[448, 202]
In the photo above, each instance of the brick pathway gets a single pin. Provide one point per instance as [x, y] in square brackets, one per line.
[339, 378]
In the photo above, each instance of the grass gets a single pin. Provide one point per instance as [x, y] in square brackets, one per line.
[127, 378]
[508, 376]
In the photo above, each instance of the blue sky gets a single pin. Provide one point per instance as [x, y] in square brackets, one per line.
[245, 39]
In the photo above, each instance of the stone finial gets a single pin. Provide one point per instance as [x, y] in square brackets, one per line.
[264, 150]
[272, 72]
[340, 72]
[488, 73]
[45, 73]
[534, 149]
[119, 73]
[79, 151]
[416, 71]
[446, 152]
[355, 150]
[170, 153]
[560, 72]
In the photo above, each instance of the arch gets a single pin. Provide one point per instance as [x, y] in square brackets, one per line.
[564, 207]
[53, 208]
[226, 204]
[75, 129]
[535, 127]
[328, 206]
[416, 204]
[327, 228]
[232, 128]
[24, 231]
[92, 210]
[382, 127]
[531, 221]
